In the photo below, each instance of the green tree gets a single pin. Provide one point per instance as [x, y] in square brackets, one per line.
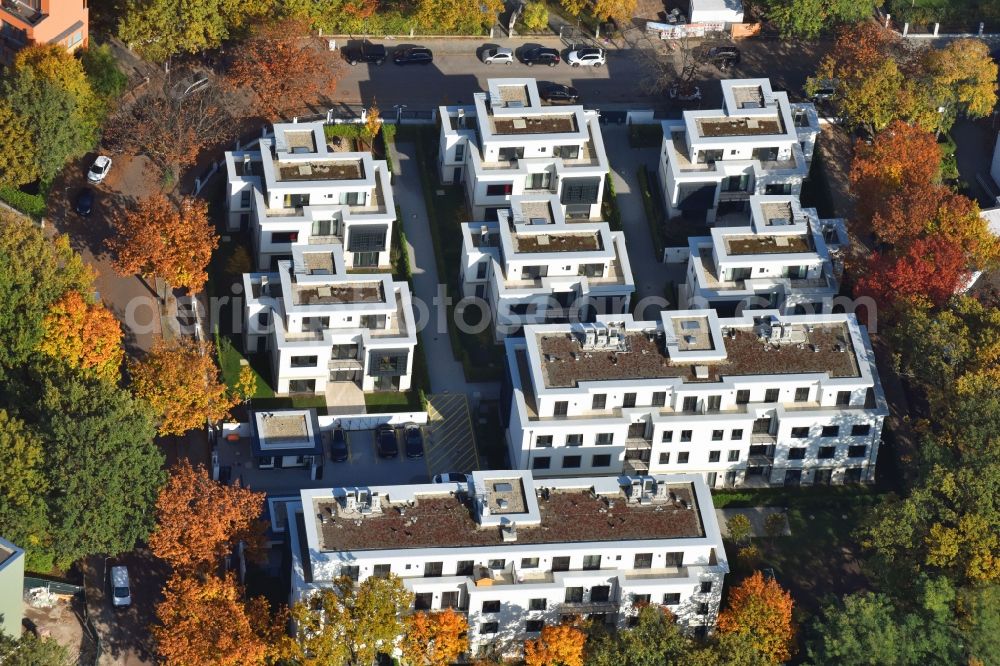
[961, 78]
[806, 19]
[18, 154]
[738, 526]
[23, 517]
[979, 622]
[350, 624]
[104, 469]
[34, 273]
[107, 81]
[728, 650]
[47, 85]
[535, 17]
[653, 641]
[31, 651]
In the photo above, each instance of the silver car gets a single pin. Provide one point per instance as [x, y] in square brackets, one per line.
[121, 591]
[498, 55]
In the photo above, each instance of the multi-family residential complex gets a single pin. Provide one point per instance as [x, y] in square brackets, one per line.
[762, 399]
[786, 258]
[712, 160]
[321, 324]
[531, 266]
[11, 589]
[300, 189]
[515, 553]
[24, 22]
[509, 143]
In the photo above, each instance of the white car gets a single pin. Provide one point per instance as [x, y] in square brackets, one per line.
[99, 169]
[451, 477]
[121, 592]
[589, 57]
[498, 56]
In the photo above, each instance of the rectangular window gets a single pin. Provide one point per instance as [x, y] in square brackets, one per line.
[433, 569]
[671, 598]
[423, 600]
[529, 562]
[591, 562]
[498, 565]
[284, 236]
[534, 626]
[560, 563]
[690, 404]
[736, 435]
[862, 430]
[706, 587]
[605, 439]
[489, 627]
[800, 432]
[580, 190]
[449, 600]
[830, 431]
[642, 561]
[742, 396]
[659, 398]
[703, 608]
[538, 181]
[640, 599]
[368, 238]
[541, 462]
[499, 190]
[734, 455]
[603, 460]
[543, 441]
[575, 439]
[843, 398]
[682, 457]
[857, 451]
[802, 394]
[382, 570]
[674, 559]
[571, 462]
[302, 386]
[574, 595]
[717, 435]
[245, 197]
[464, 567]
[714, 403]
[560, 408]
[714, 456]
[491, 606]
[628, 400]
[826, 452]
[665, 458]
[771, 395]
[853, 475]
[685, 435]
[304, 361]
[460, 152]
[668, 436]
[537, 604]
[797, 453]
[481, 268]
[600, 401]
[352, 572]
[600, 594]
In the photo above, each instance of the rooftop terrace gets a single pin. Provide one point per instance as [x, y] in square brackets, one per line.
[544, 124]
[349, 292]
[784, 244]
[284, 427]
[814, 350]
[553, 242]
[740, 126]
[566, 517]
[329, 169]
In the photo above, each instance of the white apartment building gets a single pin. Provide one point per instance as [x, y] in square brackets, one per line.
[515, 553]
[761, 399]
[300, 188]
[321, 324]
[758, 143]
[531, 266]
[508, 143]
[786, 258]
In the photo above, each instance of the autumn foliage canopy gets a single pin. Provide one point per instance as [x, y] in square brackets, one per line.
[762, 611]
[434, 639]
[560, 645]
[83, 335]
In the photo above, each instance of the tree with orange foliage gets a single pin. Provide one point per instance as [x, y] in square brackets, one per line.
[205, 621]
[200, 520]
[434, 639]
[158, 237]
[931, 268]
[83, 335]
[761, 610]
[180, 380]
[558, 645]
[359, 9]
[281, 63]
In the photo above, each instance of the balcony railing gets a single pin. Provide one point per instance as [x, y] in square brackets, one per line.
[638, 443]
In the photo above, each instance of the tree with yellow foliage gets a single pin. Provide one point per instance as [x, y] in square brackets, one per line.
[761, 610]
[434, 639]
[83, 335]
[558, 645]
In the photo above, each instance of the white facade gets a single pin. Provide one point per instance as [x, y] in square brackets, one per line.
[531, 266]
[509, 143]
[321, 324]
[786, 258]
[711, 161]
[299, 188]
[762, 399]
[716, 11]
[514, 553]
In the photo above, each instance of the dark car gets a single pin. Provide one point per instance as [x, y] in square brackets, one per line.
[416, 55]
[365, 52]
[413, 438]
[338, 446]
[541, 56]
[385, 441]
[723, 57]
[555, 93]
[85, 201]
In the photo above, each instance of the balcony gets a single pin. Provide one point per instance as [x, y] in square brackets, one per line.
[735, 195]
[760, 460]
[763, 438]
[638, 443]
[23, 11]
[345, 364]
[662, 572]
[582, 607]
[636, 466]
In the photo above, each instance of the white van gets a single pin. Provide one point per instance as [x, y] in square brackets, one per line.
[121, 593]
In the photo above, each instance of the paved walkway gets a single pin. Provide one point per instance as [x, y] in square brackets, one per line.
[431, 314]
[757, 516]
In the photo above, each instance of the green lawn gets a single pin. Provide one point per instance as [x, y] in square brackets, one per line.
[393, 401]
[645, 136]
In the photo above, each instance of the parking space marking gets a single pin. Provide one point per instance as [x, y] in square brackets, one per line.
[451, 445]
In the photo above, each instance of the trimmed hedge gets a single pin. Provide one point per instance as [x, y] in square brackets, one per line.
[29, 204]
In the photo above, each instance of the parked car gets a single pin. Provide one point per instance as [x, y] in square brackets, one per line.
[587, 57]
[557, 93]
[365, 52]
[99, 169]
[450, 477]
[413, 439]
[499, 55]
[338, 446]
[121, 592]
[414, 55]
[541, 56]
[85, 201]
[723, 57]
[824, 90]
[385, 441]
[684, 92]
